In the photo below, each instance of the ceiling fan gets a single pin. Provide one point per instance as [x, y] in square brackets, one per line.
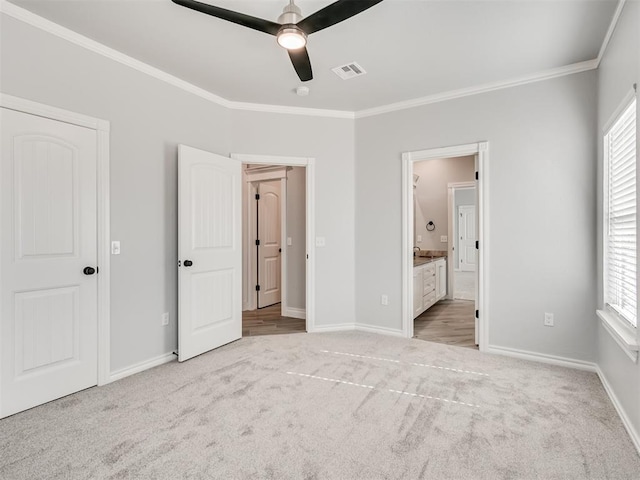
[292, 29]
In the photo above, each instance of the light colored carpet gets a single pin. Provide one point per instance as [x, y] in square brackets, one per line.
[328, 406]
[464, 285]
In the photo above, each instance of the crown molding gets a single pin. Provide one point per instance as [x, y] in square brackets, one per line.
[53, 28]
[612, 28]
[314, 112]
[487, 87]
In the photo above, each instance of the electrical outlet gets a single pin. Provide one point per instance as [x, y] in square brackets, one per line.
[115, 247]
[384, 299]
[548, 319]
[165, 319]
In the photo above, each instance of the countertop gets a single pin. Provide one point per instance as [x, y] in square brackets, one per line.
[417, 261]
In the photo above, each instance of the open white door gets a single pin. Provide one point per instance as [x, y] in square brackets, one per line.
[269, 249]
[209, 251]
[467, 238]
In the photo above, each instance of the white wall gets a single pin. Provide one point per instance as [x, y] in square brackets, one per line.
[148, 119]
[432, 194]
[619, 70]
[296, 252]
[330, 141]
[541, 200]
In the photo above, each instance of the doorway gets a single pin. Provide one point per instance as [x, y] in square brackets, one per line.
[274, 251]
[444, 305]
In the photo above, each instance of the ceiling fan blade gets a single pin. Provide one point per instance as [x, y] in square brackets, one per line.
[301, 62]
[255, 23]
[334, 13]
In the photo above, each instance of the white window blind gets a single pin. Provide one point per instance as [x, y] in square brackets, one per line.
[620, 208]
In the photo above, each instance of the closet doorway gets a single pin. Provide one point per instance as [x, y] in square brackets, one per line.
[275, 256]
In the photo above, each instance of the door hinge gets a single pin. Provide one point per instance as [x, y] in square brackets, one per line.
[257, 288]
[476, 175]
[257, 243]
[477, 245]
[477, 313]
[257, 196]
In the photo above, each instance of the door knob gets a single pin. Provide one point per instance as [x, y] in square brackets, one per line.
[89, 270]
[188, 263]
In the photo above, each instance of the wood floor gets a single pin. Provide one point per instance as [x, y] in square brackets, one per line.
[269, 321]
[448, 321]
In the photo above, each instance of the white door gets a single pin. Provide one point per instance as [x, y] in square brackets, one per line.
[48, 322]
[209, 251]
[467, 237]
[269, 232]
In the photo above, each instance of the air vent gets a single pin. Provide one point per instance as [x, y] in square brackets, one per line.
[350, 70]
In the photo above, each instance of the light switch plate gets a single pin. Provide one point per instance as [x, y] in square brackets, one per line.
[444, 238]
[115, 247]
[419, 240]
[320, 242]
[289, 241]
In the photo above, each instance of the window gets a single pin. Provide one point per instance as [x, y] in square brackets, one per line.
[620, 265]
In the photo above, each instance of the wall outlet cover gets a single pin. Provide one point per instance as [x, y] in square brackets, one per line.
[548, 319]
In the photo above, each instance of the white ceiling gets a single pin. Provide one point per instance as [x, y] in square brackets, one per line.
[410, 48]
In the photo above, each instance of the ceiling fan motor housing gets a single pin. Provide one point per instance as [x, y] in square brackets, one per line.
[291, 14]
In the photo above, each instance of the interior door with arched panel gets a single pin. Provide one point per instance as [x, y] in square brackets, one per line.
[48, 260]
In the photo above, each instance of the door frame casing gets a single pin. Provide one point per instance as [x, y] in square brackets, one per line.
[102, 128]
[251, 234]
[481, 150]
[309, 164]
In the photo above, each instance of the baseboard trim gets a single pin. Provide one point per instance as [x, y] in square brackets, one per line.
[142, 366]
[633, 433]
[380, 330]
[293, 312]
[543, 358]
[337, 327]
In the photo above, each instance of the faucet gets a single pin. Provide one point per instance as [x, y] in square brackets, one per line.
[416, 249]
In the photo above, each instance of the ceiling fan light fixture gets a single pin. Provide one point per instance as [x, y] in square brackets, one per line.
[291, 37]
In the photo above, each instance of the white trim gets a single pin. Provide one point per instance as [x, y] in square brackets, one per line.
[480, 149]
[378, 330]
[142, 366]
[335, 327]
[543, 358]
[478, 89]
[622, 106]
[628, 425]
[312, 112]
[293, 312]
[53, 28]
[102, 128]
[309, 164]
[610, 30]
[47, 111]
[624, 335]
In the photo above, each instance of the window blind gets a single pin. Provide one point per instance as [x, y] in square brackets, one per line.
[621, 251]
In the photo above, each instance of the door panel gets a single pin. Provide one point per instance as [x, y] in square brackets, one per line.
[467, 235]
[210, 251]
[48, 218]
[269, 233]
